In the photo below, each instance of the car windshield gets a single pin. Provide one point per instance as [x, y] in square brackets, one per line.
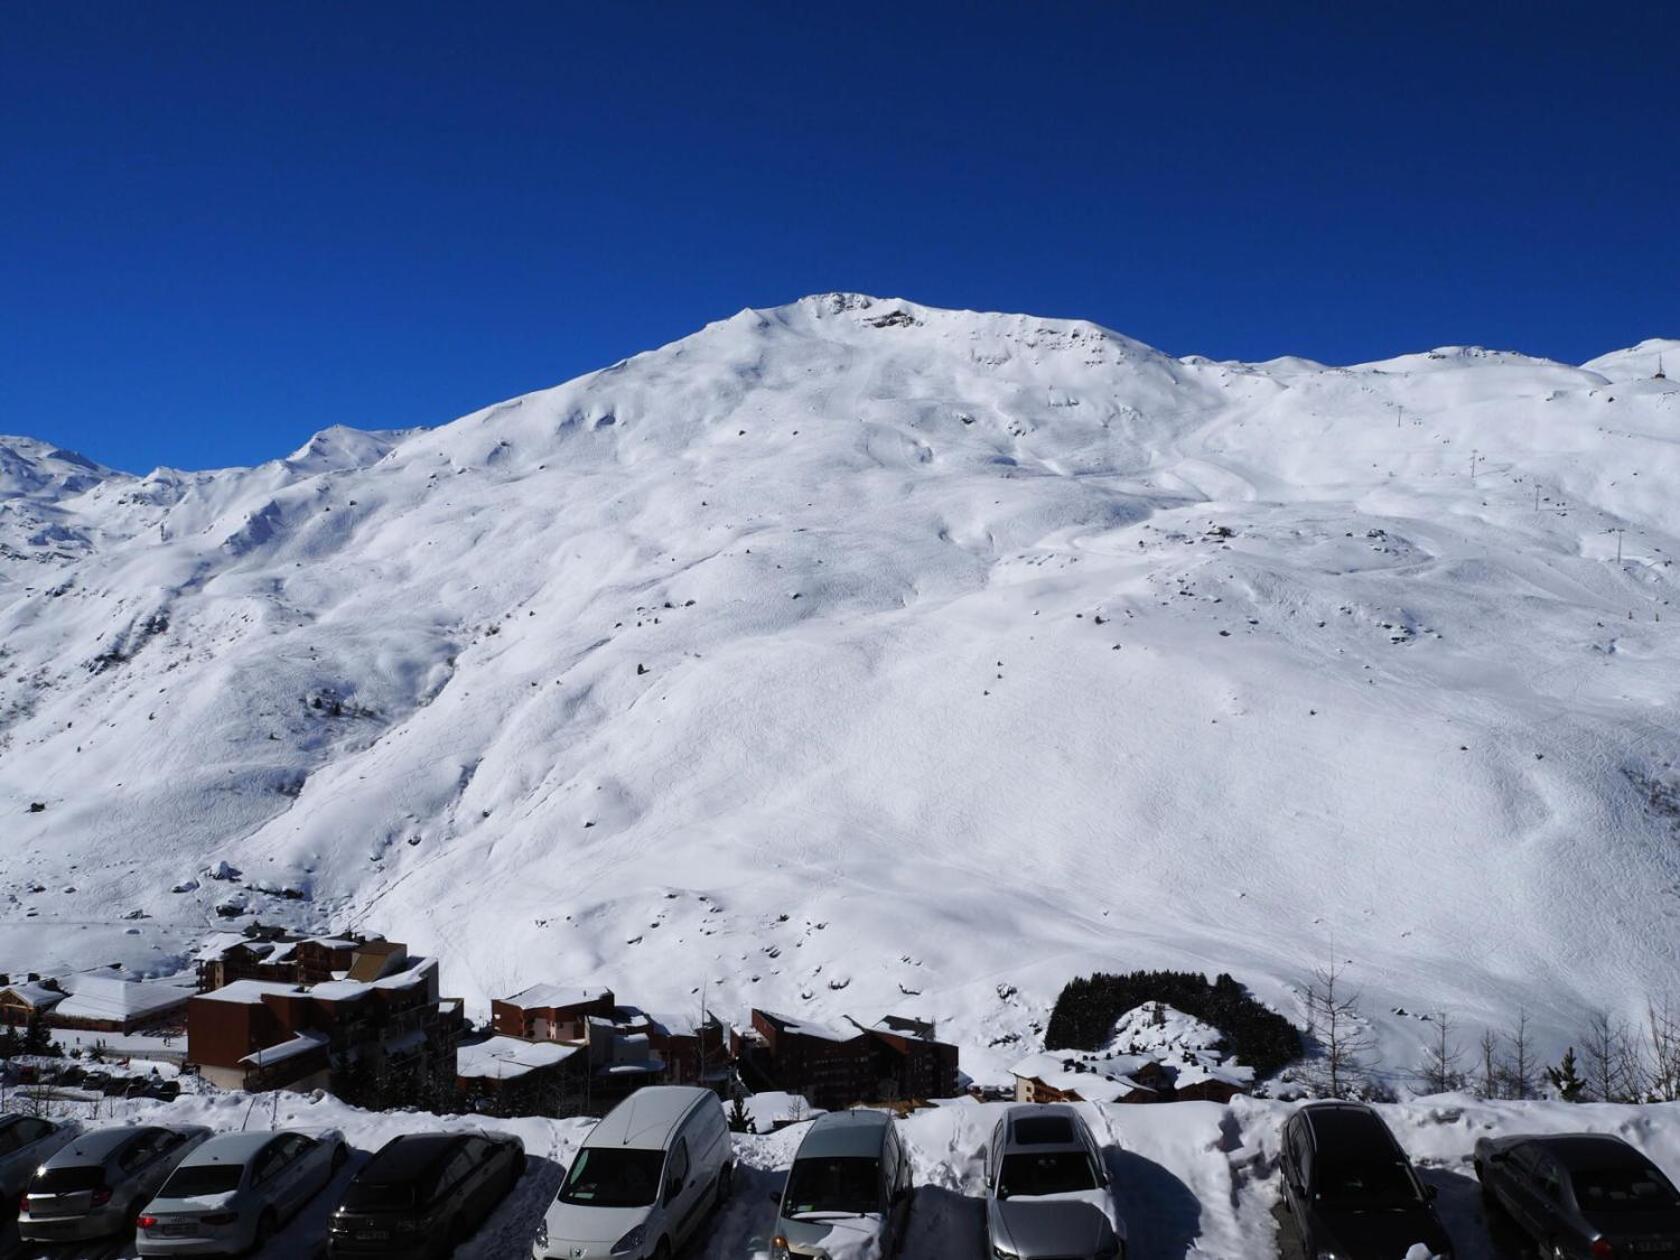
[67, 1180]
[1045, 1172]
[1366, 1184]
[1623, 1190]
[191, 1181]
[11, 1136]
[391, 1196]
[602, 1176]
[850, 1184]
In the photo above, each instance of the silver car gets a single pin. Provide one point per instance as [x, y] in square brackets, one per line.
[848, 1192]
[231, 1194]
[1047, 1193]
[97, 1184]
[25, 1144]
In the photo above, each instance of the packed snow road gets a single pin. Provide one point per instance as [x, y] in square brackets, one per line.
[1193, 1179]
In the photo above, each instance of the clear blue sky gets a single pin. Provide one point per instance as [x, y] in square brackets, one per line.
[224, 226]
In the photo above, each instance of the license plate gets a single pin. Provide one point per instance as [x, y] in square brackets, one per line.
[180, 1231]
[373, 1235]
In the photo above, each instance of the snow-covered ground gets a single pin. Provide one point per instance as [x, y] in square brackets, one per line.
[1193, 1179]
[857, 656]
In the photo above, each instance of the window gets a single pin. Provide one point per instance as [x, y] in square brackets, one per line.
[1046, 1172]
[31, 1131]
[1362, 1183]
[191, 1181]
[1624, 1189]
[678, 1176]
[832, 1184]
[478, 1150]
[458, 1167]
[269, 1161]
[613, 1177]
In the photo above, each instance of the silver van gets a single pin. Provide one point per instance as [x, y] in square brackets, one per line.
[644, 1180]
[848, 1191]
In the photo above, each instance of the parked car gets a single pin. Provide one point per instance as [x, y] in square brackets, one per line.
[95, 1082]
[115, 1086]
[848, 1190]
[165, 1090]
[644, 1179]
[137, 1087]
[1581, 1195]
[25, 1144]
[423, 1194]
[231, 1194]
[1047, 1192]
[1350, 1188]
[97, 1184]
[72, 1074]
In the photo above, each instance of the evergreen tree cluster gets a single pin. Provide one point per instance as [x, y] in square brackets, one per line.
[1088, 1007]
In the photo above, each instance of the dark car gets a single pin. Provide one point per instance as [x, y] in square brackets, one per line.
[423, 1194]
[72, 1074]
[1581, 1195]
[115, 1086]
[1350, 1188]
[95, 1082]
[164, 1091]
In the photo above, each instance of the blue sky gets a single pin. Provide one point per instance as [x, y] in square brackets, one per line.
[223, 227]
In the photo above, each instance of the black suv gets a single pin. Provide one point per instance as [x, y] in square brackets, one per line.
[1581, 1194]
[1351, 1189]
[424, 1193]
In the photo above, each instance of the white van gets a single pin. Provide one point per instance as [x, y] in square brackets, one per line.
[644, 1180]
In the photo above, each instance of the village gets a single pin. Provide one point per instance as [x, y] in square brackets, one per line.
[364, 1018]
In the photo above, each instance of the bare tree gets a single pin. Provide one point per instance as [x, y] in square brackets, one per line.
[1613, 1070]
[1662, 1034]
[1439, 1073]
[1518, 1068]
[1490, 1084]
[1334, 1021]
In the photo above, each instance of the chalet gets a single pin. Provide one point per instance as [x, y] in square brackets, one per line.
[693, 1048]
[24, 1000]
[508, 1076]
[263, 1034]
[551, 1012]
[1056, 1077]
[115, 1004]
[261, 953]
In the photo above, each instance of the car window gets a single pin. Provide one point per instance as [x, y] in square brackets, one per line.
[459, 1166]
[295, 1145]
[1623, 1189]
[1045, 1172]
[192, 1181]
[1527, 1158]
[34, 1130]
[478, 1150]
[832, 1183]
[604, 1176]
[268, 1162]
[679, 1162]
[138, 1153]
[1365, 1183]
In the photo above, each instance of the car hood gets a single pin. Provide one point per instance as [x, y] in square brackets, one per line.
[1054, 1224]
[837, 1237]
[1380, 1235]
[572, 1222]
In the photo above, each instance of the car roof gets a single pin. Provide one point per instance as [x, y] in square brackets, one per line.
[1578, 1151]
[645, 1120]
[409, 1157]
[230, 1148]
[1334, 1123]
[1047, 1128]
[845, 1133]
[97, 1146]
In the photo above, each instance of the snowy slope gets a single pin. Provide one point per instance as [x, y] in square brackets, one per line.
[985, 649]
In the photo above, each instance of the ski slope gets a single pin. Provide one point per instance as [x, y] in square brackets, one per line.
[856, 656]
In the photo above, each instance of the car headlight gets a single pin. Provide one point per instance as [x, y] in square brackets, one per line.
[778, 1248]
[1327, 1255]
[630, 1242]
[1000, 1252]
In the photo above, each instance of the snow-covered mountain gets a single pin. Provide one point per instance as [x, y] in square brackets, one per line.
[857, 656]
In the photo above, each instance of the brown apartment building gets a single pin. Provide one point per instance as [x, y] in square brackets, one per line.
[383, 1021]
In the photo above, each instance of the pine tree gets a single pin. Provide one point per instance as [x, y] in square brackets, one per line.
[1565, 1080]
[739, 1120]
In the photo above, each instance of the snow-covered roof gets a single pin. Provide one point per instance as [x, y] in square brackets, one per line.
[681, 1025]
[217, 944]
[809, 1028]
[1052, 1069]
[289, 1049]
[548, 996]
[251, 992]
[34, 993]
[507, 1058]
[106, 997]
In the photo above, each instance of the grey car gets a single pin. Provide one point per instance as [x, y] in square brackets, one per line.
[97, 1184]
[1047, 1192]
[848, 1191]
[231, 1194]
[25, 1144]
[1581, 1195]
